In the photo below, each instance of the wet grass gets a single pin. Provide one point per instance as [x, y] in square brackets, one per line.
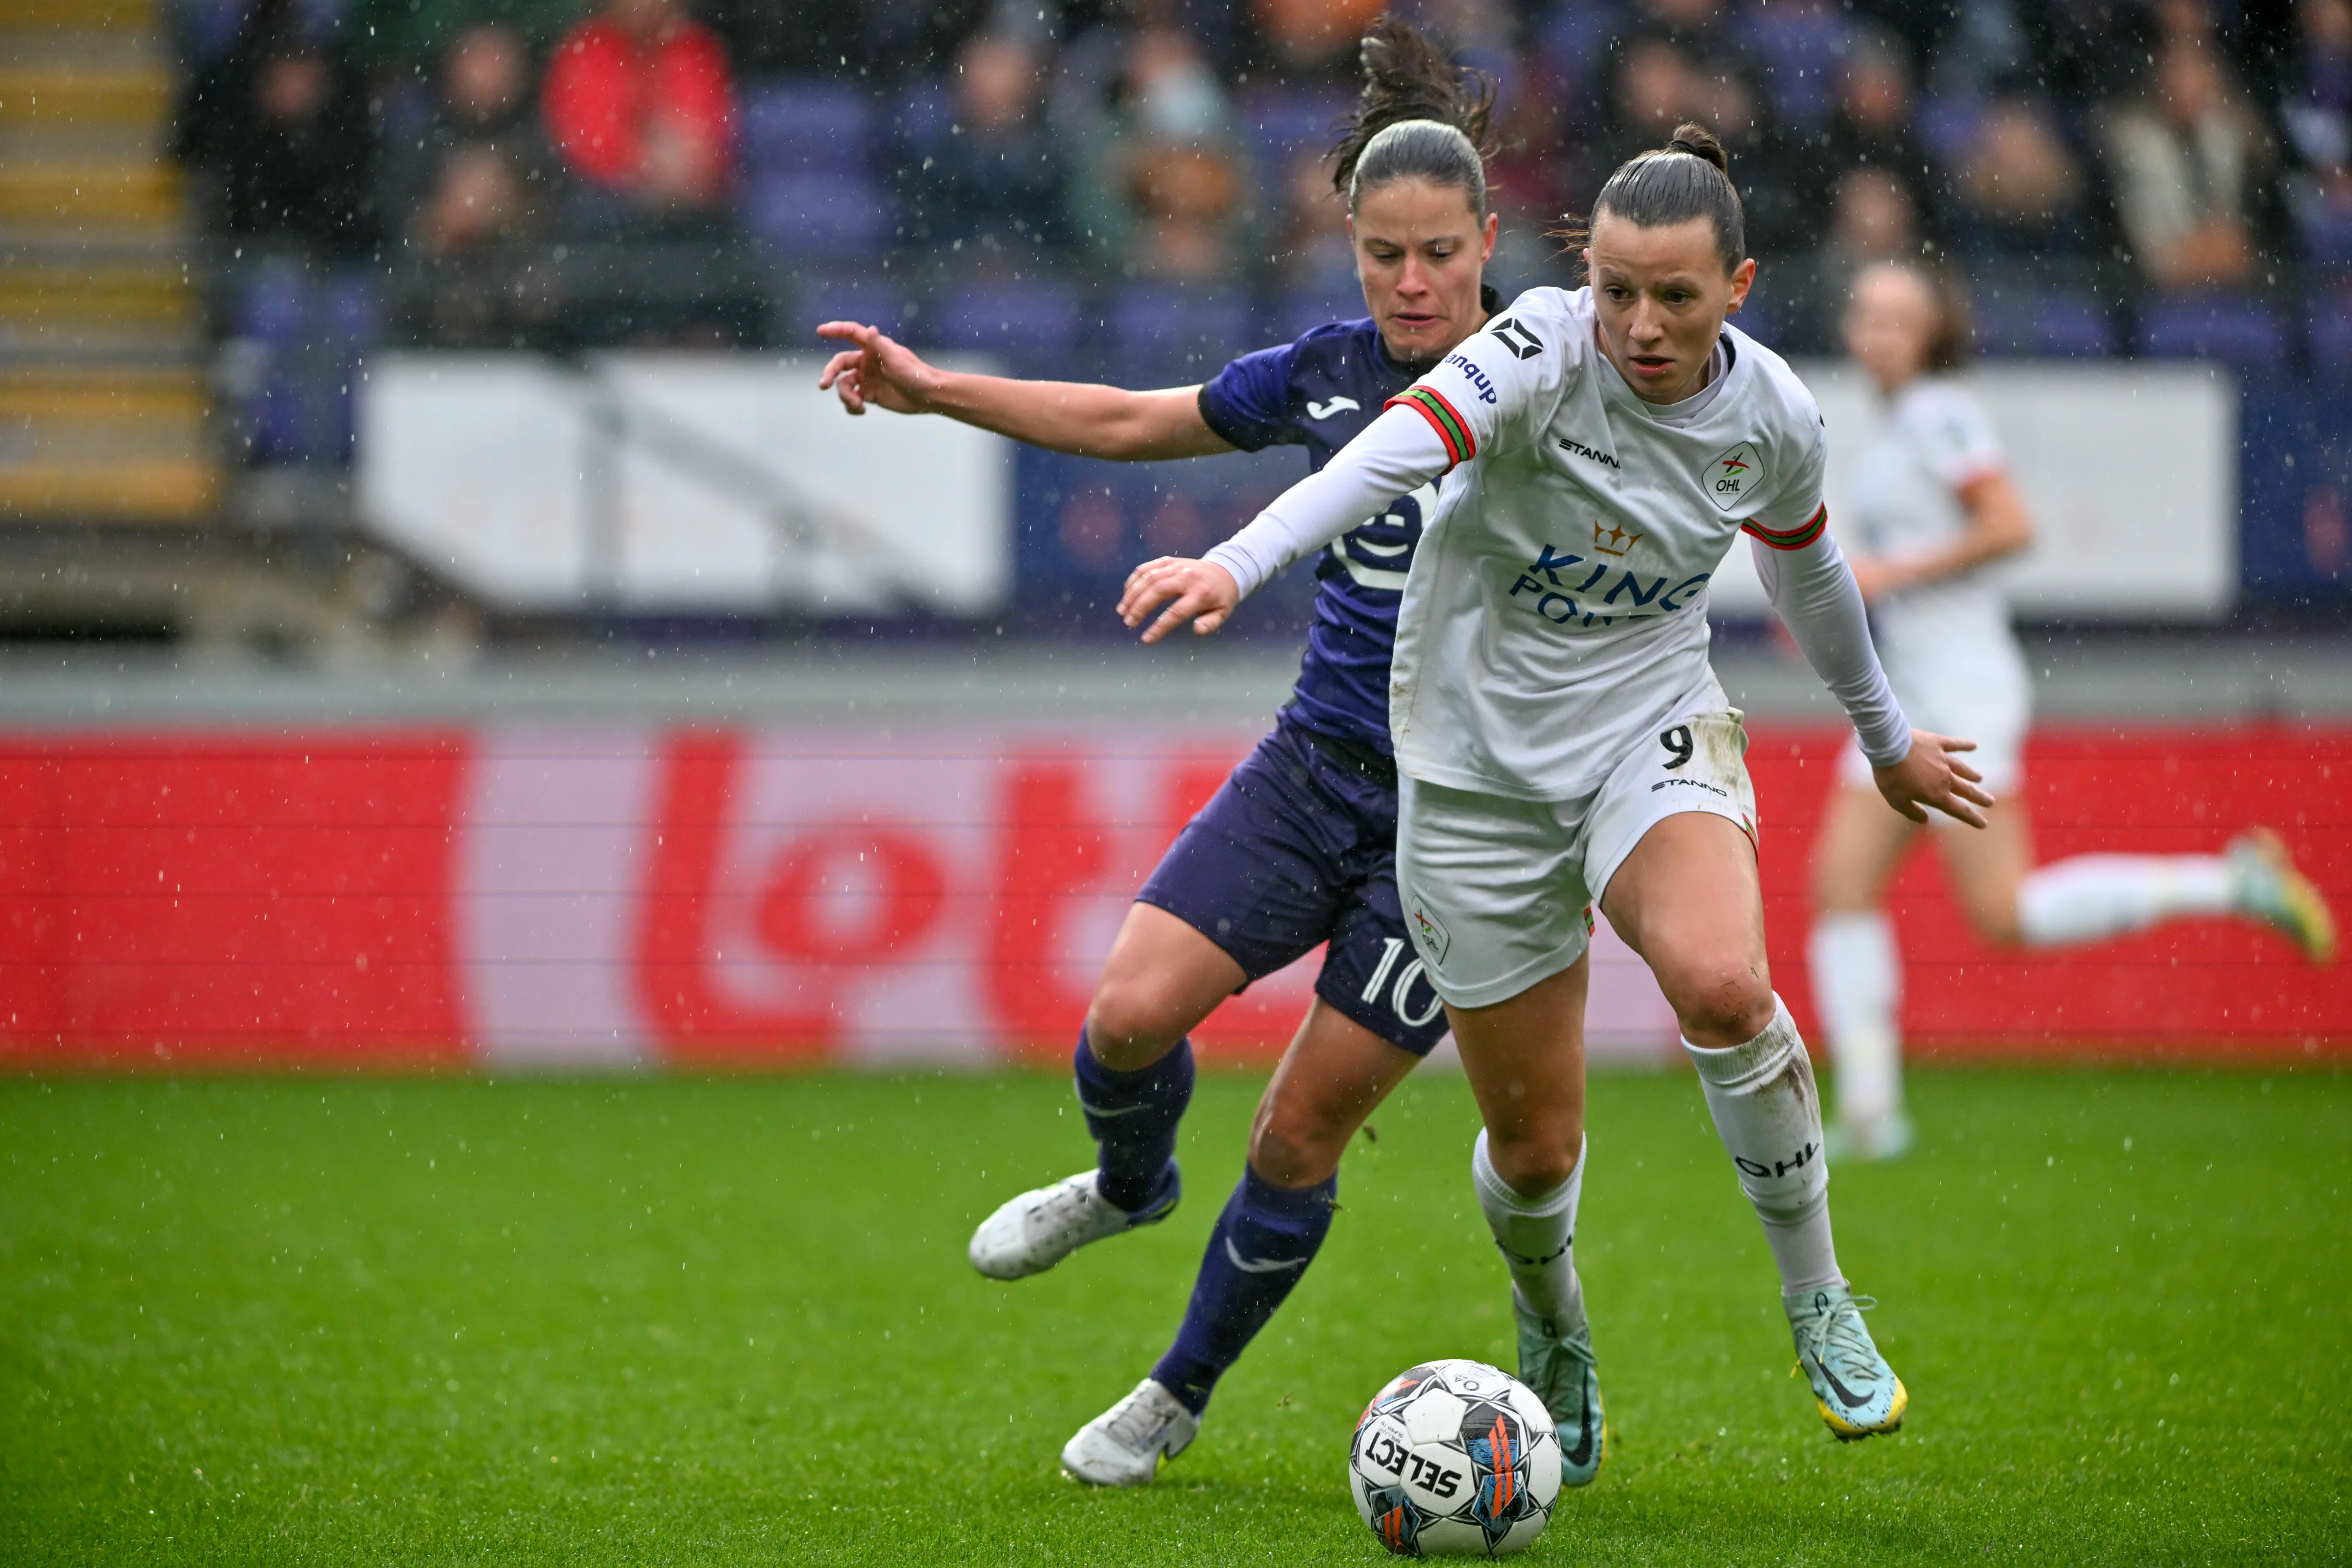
[729, 1321]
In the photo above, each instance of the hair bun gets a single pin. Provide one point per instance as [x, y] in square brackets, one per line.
[1699, 143]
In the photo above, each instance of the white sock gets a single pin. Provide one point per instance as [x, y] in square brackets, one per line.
[1537, 1236]
[2093, 896]
[1858, 977]
[1768, 1115]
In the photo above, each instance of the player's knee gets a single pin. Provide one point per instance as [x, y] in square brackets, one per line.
[1128, 1026]
[1995, 921]
[1532, 1166]
[1296, 1145]
[1722, 1002]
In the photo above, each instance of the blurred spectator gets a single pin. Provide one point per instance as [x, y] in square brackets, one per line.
[1676, 63]
[640, 103]
[476, 173]
[992, 174]
[279, 125]
[1538, 171]
[1872, 218]
[2316, 115]
[1871, 128]
[2183, 159]
[1311, 247]
[1162, 192]
[390, 35]
[1303, 40]
[2020, 190]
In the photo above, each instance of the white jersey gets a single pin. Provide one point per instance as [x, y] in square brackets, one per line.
[1931, 441]
[1555, 613]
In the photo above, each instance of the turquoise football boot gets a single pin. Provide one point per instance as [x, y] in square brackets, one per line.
[1859, 1394]
[2273, 891]
[1560, 1368]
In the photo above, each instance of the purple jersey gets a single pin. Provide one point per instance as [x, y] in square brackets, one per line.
[1320, 393]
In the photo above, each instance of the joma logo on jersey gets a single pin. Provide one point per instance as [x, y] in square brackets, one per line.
[1734, 477]
[1555, 598]
[1477, 377]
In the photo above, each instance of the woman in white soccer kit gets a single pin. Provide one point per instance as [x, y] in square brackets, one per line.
[1562, 741]
[1930, 506]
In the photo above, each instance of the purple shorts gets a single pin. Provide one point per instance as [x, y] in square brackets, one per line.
[1298, 848]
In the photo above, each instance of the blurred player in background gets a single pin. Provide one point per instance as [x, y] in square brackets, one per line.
[1931, 506]
[1297, 848]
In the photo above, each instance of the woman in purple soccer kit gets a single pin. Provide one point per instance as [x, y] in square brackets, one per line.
[1297, 849]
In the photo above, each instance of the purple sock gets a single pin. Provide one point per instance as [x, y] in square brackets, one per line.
[1260, 1247]
[1133, 1118]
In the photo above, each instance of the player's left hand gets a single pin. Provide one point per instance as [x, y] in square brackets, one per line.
[1931, 775]
[1203, 593]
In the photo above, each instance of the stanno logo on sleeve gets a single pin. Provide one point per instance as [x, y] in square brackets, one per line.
[1516, 338]
[1732, 477]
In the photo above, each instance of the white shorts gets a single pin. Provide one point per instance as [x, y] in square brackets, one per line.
[1987, 699]
[1499, 893]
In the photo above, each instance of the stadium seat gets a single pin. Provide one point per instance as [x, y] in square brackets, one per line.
[2331, 337]
[1801, 51]
[273, 304]
[1034, 322]
[800, 124]
[828, 213]
[2231, 330]
[1161, 328]
[1947, 128]
[2046, 324]
[1574, 37]
[1281, 123]
[868, 295]
[2324, 232]
[1760, 319]
[309, 334]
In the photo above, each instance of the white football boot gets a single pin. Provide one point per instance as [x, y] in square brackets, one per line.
[1039, 1228]
[1123, 1446]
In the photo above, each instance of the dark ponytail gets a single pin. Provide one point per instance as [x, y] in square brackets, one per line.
[1420, 117]
[1688, 178]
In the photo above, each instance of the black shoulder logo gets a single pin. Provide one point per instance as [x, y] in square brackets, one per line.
[1516, 338]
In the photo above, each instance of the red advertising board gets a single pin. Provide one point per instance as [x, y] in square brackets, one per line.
[435, 896]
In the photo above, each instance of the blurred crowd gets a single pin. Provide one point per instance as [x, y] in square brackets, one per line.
[2086, 164]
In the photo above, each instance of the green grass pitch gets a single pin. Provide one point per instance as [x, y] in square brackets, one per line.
[582, 1321]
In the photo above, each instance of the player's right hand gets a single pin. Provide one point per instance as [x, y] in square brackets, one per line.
[880, 370]
[1203, 593]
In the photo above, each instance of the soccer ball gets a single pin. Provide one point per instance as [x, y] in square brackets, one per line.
[1454, 1458]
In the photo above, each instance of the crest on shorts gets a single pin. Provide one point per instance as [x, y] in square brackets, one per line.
[1428, 933]
[1734, 476]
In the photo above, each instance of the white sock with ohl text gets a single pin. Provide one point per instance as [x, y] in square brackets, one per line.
[2093, 896]
[1858, 977]
[1768, 1115]
[1537, 1238]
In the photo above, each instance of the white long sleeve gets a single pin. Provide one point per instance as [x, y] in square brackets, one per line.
[1397, 454]
[1814, 590]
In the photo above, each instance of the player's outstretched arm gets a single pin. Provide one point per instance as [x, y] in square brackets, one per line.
[1394, 455]
[1083, 418]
